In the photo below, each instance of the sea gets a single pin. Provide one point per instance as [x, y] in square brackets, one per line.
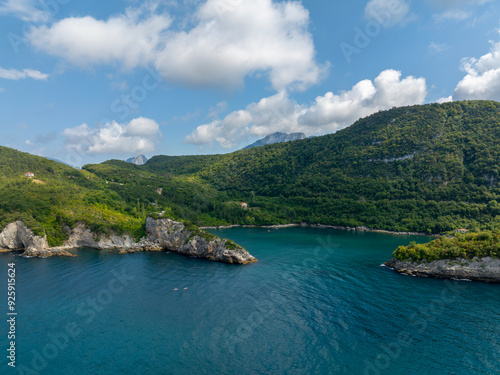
[318, 301]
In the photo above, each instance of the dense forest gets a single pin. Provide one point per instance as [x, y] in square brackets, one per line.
[431, 168]
[59, 196]
[461, 246]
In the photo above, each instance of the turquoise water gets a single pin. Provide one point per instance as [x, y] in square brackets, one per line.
[317, 302]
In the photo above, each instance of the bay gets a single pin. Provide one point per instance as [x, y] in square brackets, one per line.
[317, 302]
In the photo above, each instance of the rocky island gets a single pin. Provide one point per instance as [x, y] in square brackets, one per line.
[162, 234]
[472, 256]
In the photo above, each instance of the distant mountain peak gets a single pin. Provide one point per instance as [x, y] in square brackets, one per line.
[277, 137]
[138, 160]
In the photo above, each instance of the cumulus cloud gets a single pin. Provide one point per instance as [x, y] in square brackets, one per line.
[329, 113]
[388, 12]
[483, 77]
[252, 36]
[15, 74]
[274, 113]
[138, 136]
[445, 99]
[124, 39]
[228, 41]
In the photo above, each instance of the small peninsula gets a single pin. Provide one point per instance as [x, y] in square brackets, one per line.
[471, 256]
[161, 234]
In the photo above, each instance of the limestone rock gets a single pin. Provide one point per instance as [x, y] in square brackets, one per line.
[479, 269]
[162, 234]
[16, 236]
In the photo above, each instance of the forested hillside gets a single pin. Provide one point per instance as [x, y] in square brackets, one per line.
[429, 168]
[58, 195]
[425, 168]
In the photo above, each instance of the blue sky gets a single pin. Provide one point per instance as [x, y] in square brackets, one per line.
[86, 81]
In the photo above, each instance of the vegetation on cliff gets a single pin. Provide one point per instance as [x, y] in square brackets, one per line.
[462, 246]
[60, 196]
[430, 168]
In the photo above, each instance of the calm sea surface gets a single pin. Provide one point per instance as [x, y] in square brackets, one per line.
[317, 302]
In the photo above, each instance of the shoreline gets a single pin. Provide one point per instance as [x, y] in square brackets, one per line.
[485, 269]
[161, 234]
[304, 225]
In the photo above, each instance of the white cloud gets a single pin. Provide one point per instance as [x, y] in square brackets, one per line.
[332, 112]
[138, 136]
[230, 40]
[388, 12]
[252, 36]
[483, 77]
[26, 10]
[83, 41]
[445, 99]
[327, 114]
[15, 74]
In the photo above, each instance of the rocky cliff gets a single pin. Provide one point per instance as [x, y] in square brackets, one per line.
[162, 234]
[478, 269]
[16, 236]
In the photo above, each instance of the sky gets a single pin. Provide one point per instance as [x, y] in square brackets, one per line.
[88, 81]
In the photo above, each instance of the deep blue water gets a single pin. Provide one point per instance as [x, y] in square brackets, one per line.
[317, 302]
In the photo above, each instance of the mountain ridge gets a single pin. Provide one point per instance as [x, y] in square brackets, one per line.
[276, 137]
[428, 168]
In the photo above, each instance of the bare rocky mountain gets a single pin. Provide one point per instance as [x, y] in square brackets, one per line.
[277, 138]
[138, 160]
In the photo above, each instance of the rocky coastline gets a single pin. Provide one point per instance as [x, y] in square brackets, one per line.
[162, 234]
[477, 269]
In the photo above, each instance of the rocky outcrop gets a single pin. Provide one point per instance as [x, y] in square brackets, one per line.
[478, 269]
[173, 236]
[162, 234]
[81, 236]
[138, 160]
[16, 236]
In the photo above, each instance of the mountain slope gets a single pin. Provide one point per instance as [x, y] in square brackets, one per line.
[58, 195]
[421, 168]
[277, 138]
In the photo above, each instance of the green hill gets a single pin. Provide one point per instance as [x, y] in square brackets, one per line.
[462, 246]
[58, 195]
[428, 168]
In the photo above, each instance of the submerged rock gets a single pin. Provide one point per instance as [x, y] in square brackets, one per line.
[162, 234]
[478, 269]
